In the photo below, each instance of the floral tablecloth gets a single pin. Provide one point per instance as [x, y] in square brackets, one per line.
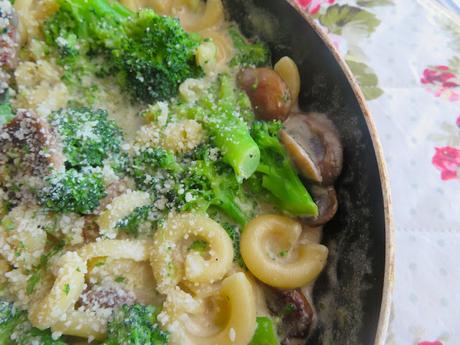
[406, 56]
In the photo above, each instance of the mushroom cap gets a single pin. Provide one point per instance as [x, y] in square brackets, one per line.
[269, 94]
[296, 313]
[326, 200]
[314, 145]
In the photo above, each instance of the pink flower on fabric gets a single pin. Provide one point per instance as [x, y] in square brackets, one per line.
[447, 159]
[313, 6]
[441, 81]
[458, 121]
[430, 343]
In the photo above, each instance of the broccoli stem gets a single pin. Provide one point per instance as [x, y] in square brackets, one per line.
[230, 208]
[288, 190]
[229, 131]
[238, 148]
[265, 333]
[277, 173]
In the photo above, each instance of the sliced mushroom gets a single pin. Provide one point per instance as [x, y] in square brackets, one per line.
[9, 44]
[326, 199]
[270, 96]
[29, 150]
[293, 309]
[31, 140]
[105, 296]
[314, 145]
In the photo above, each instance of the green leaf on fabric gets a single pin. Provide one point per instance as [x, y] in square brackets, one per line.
[337, 17]
[374, 3]
[367, 79]
[454, 64]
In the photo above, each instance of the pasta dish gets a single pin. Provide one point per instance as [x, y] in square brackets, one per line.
[158, 182]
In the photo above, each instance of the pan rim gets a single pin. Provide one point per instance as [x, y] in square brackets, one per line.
[385, 307]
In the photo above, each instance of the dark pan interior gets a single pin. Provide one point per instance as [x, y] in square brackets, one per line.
[348, 294]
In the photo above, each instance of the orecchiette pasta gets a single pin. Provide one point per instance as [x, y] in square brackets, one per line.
[83, 272]
[160, 6]
[56, 310]
[213, 16]
[206, 55]
[224, 47]
[117, 249]
[23, 246]
[169, 265]
[23, 7]
[287, 69]
[81, 324]
[238, 309]
[133, 5]
[182, 136]
[137, 277]
[64, 294]
[119, 208]
[270, 250]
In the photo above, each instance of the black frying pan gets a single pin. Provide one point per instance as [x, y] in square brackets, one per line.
[352, 295]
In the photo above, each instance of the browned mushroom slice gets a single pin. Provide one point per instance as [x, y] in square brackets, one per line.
[9, 43]
[270, 96]
[326, 200]
[314, 145]
[105, 296]
[30, 139]
[28, 149]
[293, 309]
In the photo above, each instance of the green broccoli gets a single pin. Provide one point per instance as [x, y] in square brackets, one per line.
[38, 271]
[88, 136]
[157, 56]
[276, 173]
[265, 332]
[15, 329]
[138, 220]
[223, 111]
[151, 54]
[248, 53]
[154, 169]
[6, 110]
[210, 182]
[135, 325]
[235, 235]
[10, 318]
[73, 191]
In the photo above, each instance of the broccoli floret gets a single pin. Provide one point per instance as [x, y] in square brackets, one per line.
[265, 333]
[6, 110]
[80, 27]
[235, 235]
[276, 173]
[199, 246]
[73, 191]
[223, 111]
[88, 136]
[15, 329]
[248, 53]
[152, 168]
[30, 335]
[157, 56]
[133, 223]
[38, 271]
[152, 54]
[10, 318]
[135, 325]
[210, 182]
